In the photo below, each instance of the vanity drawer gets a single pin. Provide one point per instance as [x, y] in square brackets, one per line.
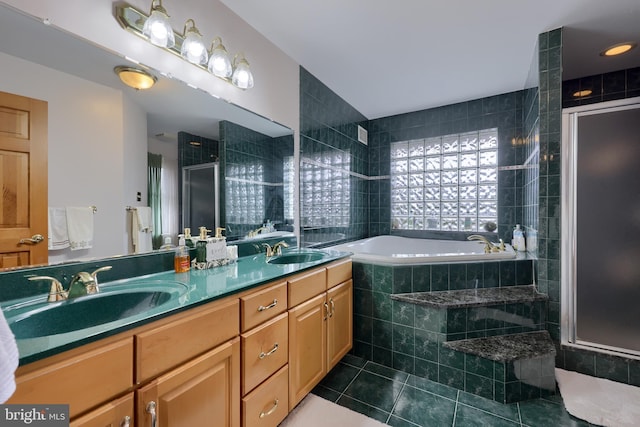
[263, 305]
[83, 380]
[185, 337]
[267, 405]
[307, 286]
[338, 272]
[265, 349]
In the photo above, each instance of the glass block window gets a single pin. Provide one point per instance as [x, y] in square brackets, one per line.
[445, 183]
[245, 193]
[325, 190]
[287, 175]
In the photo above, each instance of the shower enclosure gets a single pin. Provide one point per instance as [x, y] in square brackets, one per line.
[601, 227]
[200, 197]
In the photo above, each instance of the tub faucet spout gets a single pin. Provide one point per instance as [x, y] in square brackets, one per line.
[489, 246]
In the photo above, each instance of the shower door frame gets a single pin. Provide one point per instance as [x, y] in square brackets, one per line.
[568, 309]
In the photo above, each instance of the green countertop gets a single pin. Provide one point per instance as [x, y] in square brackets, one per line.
[201, 286]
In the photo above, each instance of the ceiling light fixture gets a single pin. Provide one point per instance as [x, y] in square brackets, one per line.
[193, 50]
[156, 29]
[219, 61]
[242, 76]
[135, 77]
[582, 93]
[618, 49]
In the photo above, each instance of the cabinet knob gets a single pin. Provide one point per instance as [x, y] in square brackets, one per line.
[270, 411]
[151, 409]
[126, 421]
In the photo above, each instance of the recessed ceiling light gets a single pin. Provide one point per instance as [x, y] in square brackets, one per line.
[618, 49]
[135, 77]
[582, 93]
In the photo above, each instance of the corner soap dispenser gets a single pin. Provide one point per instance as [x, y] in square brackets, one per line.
[201, 245]
[217, 247]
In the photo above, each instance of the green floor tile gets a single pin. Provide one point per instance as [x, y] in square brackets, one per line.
[423, 408]
[363, 408]
[340, 377]
[377, 391]
[509, 411]
[541, 412]
[392, 374]
[466, 416]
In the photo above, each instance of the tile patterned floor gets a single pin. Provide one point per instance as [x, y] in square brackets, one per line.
[403, 400]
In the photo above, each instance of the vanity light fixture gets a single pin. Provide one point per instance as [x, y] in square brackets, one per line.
[157, 27]
[242, 76]
[219, 61]
[618, 49]
[135, 77]
[193, 50]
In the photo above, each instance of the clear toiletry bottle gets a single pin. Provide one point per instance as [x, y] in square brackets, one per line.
[181, 261]
[188, 240]
[201, 246]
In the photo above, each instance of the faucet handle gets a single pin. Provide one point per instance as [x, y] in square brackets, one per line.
[56, 292]
[94, 274]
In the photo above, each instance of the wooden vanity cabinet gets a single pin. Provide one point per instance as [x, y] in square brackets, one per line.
[320, 328]
[118, 413]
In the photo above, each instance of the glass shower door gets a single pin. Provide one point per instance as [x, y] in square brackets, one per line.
[602, 263]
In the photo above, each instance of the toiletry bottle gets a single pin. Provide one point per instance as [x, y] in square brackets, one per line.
[518, 239]
[188, 240]
[217, 246]
[181, 260]
[201, 245]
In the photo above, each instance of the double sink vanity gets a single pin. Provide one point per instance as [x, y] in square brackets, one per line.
[238, 345]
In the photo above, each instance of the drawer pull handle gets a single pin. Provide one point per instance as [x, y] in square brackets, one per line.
[333, 307]
[262, 355]
[273, 304]
[326, 311]
[125, 421]
[270, 411]
[151, 409]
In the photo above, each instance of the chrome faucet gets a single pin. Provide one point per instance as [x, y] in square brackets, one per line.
[81, 284]
[275, 249]
[489, 246]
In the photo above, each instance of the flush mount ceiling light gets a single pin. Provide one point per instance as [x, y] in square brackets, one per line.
[219, 61]
[157, 27]
[193, 50]
[242, 76]
[135, 77]
[618, 49]
[582, 93]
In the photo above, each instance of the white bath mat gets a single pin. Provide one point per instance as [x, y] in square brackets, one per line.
[599, 401]
[315, 411]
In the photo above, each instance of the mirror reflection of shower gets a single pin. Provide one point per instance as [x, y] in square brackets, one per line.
[200, 197]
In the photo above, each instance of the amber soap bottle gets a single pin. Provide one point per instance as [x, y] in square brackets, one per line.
[181, 260]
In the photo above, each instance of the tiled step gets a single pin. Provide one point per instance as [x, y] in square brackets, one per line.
[523, 365]
[474, 313]
[483, 297]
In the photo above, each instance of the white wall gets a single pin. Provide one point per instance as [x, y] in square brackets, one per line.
[86, 136]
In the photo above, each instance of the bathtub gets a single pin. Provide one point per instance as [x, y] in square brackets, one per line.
[396, 250]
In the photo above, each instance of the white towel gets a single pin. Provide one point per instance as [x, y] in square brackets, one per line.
[58, 234]
[80, 227]
[8, 360]
[141, 231]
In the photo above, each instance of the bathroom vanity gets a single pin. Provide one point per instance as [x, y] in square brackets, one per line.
[243, 347]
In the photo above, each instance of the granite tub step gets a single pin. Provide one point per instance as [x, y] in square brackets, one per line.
[523, 366]
[507, 348]
[483, 297]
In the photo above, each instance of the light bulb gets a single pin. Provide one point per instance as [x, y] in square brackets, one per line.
[242, 76]
[158, 29]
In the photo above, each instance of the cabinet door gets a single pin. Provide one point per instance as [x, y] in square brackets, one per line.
[339, 323]
[307, 347]
[202, 392]
[118, 413]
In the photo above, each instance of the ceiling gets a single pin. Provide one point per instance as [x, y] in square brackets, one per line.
[386, 58]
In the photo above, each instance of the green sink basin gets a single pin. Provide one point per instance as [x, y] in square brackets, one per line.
[297, 258]
[91, 310]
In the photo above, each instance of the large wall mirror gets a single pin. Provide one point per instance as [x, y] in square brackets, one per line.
[100, 133]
